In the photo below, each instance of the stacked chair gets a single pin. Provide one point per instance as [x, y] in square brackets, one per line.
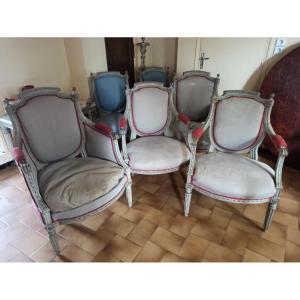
[107, 90]
[73, 166]
[192, 92]
[154, 74]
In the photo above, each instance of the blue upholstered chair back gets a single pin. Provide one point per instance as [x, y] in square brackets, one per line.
[109, 90]
[155, 74]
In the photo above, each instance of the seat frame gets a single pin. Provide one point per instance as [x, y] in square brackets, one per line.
[277, 141]
[29, 165]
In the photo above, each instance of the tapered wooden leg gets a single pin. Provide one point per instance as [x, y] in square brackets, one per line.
[269, 215]
[187, 200]
[129, 194]
[53, 238]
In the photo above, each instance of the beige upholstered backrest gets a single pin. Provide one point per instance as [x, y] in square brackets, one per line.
[238, 122]
[193, 93]
[149, 109]
[48, 123]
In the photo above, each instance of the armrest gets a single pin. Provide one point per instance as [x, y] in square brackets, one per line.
[103, 128]
[184, 119]
[18, 155]
[278, 142]
[123, 123]
[197, 133]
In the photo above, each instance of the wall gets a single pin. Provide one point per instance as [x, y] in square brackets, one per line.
[85, 56]
[162, 52]
[37, 61]
[241, 62]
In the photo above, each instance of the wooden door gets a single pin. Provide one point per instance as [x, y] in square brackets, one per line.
[120, 56]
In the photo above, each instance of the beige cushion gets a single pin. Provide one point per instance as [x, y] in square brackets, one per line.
[234, 176]
[156, 153]
[71, 183]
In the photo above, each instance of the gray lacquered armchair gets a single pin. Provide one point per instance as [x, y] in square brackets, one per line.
[72, 166]
[237, 122]
[149, 113]
[192, 93]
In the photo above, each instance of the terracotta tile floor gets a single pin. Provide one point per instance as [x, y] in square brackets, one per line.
[154, 229]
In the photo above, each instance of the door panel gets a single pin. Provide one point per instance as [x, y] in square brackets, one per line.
[238, 60]
[120, 56]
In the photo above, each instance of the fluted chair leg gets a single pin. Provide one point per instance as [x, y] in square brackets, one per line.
[53, 238]
[269, 215]
[187, 200]
[129, 194]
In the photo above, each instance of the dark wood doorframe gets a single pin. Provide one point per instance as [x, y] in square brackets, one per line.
[120, 56]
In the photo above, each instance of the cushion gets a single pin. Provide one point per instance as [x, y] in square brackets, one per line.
[71, 183]
[234, 176]
[156, 154]
[112, 120]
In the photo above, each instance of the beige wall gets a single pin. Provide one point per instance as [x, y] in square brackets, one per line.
[162, 52]
[241, 62]
[37, 61]
[85, 56]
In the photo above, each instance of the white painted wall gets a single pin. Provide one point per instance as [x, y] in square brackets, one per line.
[37, 61]
[85, 56]
[241, 62]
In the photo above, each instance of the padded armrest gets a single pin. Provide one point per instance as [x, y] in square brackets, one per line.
[184, 119]
[123, 123]
[197, 133]
[103, 128]
[18, 155]
[278, 142]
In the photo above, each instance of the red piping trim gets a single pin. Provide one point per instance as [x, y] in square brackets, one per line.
[256, 138]
[231, 198]
[132, 113]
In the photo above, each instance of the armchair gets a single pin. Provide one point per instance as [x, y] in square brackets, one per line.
[193, 91]
[72, 167]
[154, 74]
[107, 90]
[150, 150]
[237, 122]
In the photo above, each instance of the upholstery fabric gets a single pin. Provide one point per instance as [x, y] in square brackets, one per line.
[193, 96]
[237, 123]
[233, 175]
[149, 110]
[155, 75]
[110, 92]
[156, 153]
[112, 120]
[50, 138]
[70, 183]
[99, 145]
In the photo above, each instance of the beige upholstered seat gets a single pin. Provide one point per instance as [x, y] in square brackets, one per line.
[234, 176]
[156, 153]
[60, 182]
